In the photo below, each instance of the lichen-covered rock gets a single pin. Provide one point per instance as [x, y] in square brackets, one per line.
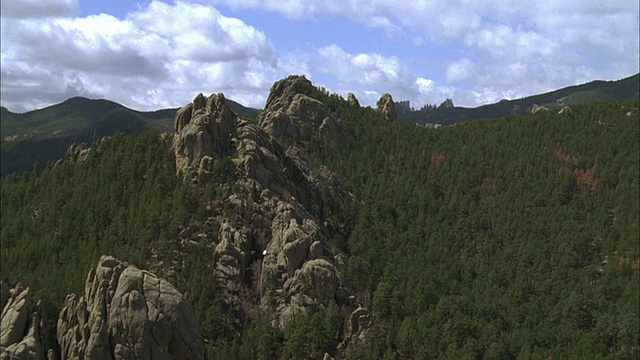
[127, 313]
[22, 327]
[386, 107]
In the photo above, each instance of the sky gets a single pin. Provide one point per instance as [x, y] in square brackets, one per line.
[150, 55]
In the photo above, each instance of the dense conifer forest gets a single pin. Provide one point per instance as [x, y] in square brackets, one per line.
[505, 239]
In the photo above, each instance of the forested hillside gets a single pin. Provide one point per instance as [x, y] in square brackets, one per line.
[515, 238]
[501, 239]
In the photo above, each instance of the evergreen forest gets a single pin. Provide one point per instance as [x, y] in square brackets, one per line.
[514, 238]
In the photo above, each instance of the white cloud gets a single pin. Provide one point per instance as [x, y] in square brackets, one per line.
[37, 8]
[461, 70]
[360, 69]
[160, 56]
[369, 75]
[517, 47]
[163, 54]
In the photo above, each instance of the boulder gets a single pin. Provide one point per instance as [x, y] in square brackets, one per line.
[127, 313]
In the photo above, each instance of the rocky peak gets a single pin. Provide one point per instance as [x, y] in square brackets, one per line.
[283, 91]
[203, 131]
[386, 107]
[446, 104]
[352, 100]
[291, 112]
[277, 220]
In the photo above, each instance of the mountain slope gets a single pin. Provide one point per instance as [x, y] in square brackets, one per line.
[627, 88]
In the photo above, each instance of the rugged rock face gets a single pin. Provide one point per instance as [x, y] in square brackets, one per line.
[386, 107]
[277, 219]
[79, 152]
[127, 313]
[352, 100]
[536, 108]
[446, 104]
[202, 134]
[290, 111]
[22, 326]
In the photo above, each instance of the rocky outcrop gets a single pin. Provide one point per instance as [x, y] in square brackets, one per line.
[291, 112]
[23, 333]
[565, 110]
[127, 313]
[352, 100]
[446, 104]
[202, 134]
[275, 225]
[79, 152]
[386, 107]
[536, 108]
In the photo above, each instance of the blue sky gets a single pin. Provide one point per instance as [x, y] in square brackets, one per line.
[149, 55]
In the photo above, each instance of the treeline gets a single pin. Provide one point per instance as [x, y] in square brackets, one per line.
[513, 238]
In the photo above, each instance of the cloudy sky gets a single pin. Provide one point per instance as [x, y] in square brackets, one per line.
[149, 55]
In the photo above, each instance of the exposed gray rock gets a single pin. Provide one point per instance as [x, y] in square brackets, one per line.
[565, 110]
[386, 107]
[203, 130]
[79, 152]
[275, 225]
[291, 112]
[359, 321]
[446, 104]
[127, 313]
[22, 327]
[352, 100]
[536, 108]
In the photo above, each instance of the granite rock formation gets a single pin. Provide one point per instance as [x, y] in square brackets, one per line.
[353, 100]
[275, 225]
[386, 107]
[292, 112]
[127, 313]
[23, 326]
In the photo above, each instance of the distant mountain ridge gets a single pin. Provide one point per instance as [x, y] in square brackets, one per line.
[44, 135]
[623, 89]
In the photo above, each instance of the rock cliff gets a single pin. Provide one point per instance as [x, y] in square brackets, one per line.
[353, 100]
[203, 131]
[292, 112]
[23, 326]
[127, 313]
[386, 107]
[278, 217]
